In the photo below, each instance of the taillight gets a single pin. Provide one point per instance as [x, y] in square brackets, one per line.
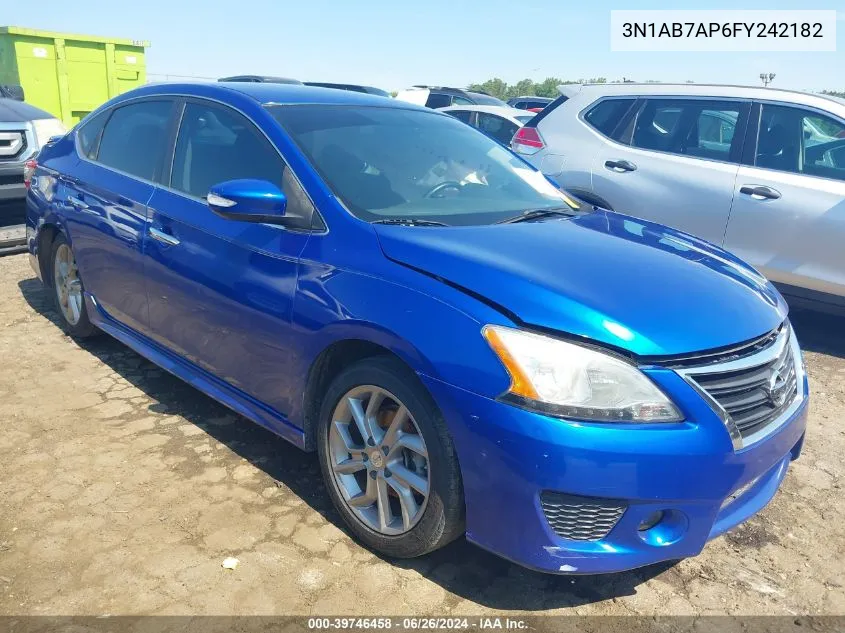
[29, 169]
[527, 140]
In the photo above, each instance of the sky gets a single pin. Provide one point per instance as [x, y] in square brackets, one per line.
[393, 44]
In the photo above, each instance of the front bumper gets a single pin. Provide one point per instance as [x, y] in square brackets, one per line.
[509, 456]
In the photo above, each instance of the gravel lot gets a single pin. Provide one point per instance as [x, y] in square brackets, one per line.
[123, 489]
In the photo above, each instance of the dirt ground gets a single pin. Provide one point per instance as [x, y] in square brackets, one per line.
[123, 489]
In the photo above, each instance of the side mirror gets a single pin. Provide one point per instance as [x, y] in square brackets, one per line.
[248, 201]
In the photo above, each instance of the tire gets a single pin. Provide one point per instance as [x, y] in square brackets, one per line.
[74, 319]
[440, 517]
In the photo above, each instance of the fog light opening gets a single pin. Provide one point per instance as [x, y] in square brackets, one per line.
[663, 527]
[650, 521]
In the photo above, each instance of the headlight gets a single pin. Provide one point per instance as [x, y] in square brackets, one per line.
[45, 129]
[573, 381]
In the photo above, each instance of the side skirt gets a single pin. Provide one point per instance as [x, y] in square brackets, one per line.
[197, 377]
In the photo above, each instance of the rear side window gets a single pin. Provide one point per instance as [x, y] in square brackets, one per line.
[801, 141]
[607, 114]
[438, 100]
[134, 138]
[463, 115]
[702, 128]
[496, 127]
[89, 135]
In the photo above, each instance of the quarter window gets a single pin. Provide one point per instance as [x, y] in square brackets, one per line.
[607, 114]
[134, 138]
[217, 144]
[801, 141]
[697, 128]
[90, 133]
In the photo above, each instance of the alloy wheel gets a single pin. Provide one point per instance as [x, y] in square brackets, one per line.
[379, 460]
[67, 284]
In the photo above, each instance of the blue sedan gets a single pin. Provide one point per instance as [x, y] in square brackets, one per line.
[467, 351]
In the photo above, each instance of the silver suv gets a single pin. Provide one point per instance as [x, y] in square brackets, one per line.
[758, 171]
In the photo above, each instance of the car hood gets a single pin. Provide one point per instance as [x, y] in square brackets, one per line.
[12, 111]
[617, 280]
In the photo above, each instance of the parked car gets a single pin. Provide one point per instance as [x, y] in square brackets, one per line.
[23, 130]
[261, 79]
[758, 171]
[441, 97]
[495, 121]
[352, 87]
[465, 351]
[529, 103]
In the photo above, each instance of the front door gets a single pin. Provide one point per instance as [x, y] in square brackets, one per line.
[221, 291]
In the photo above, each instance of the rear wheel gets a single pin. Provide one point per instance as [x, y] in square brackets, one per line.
[388, 461]
[68, 291]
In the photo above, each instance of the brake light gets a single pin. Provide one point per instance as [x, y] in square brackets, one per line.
[29, 169]
[527, 140]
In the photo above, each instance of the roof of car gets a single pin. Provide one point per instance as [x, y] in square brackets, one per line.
[498, 110]
[531, 98]
[270, 93]
[713, 90]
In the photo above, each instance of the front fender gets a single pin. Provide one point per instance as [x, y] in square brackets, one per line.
[437, 334]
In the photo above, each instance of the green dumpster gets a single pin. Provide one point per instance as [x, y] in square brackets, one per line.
[69, 75]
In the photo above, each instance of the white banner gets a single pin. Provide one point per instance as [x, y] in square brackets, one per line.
[723, 30]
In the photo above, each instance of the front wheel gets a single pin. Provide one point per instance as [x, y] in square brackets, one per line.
[388, 461]
[68, 291]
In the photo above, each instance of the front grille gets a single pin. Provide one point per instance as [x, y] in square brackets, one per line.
[12, 144]
[11, 179]
[755, 394]
[581, 518]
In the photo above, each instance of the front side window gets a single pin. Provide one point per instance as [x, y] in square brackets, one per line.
[801, 141]
[396, 163]
[700, 128]
[216, 144]
[135, 137]
[606, 115]
[496, 127]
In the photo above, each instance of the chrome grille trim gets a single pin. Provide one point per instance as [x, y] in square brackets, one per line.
[745, 390]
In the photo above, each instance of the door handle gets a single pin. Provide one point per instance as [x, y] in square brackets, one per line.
[620, 166]
[759, 192]
[76, 202]
[164, 238]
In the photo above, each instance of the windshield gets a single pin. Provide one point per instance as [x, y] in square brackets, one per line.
[396, 163]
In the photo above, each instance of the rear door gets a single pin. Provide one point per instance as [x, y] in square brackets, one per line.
[671, 165]
[121, 154]
[788, 216]
[221, 290]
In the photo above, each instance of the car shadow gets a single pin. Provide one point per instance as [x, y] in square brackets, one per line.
[460, 568]
[819, 332]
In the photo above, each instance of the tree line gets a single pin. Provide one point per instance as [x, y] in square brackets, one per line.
[548, 87]
[528, 87]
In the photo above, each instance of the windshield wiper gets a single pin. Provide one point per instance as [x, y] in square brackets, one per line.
[410, 222]
[534, 214]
